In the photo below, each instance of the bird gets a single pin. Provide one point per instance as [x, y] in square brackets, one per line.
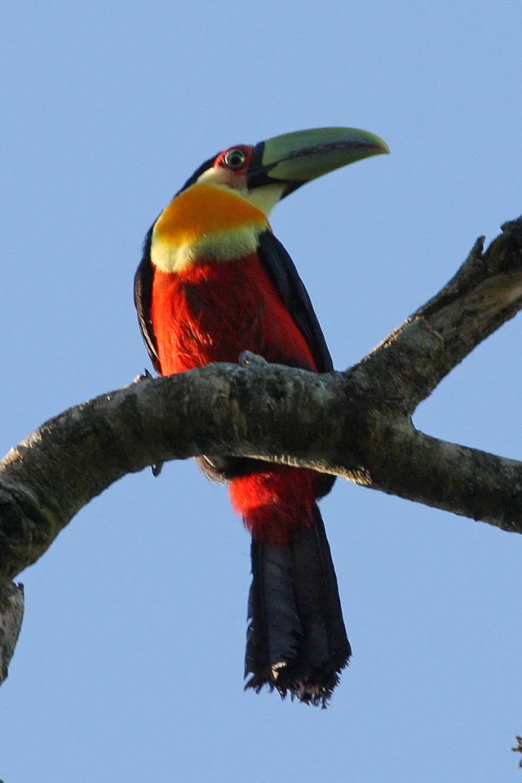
[214, 285]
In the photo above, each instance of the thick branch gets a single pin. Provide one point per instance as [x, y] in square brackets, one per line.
[11, 615]
[354, 424]
[465, 481]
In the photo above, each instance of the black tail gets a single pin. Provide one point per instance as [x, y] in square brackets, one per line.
[296, 640]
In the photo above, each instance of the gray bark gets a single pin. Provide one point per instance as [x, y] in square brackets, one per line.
[355, 424]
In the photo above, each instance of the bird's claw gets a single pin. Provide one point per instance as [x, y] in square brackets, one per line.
[247, 358]
[157, 468]
[146, 376]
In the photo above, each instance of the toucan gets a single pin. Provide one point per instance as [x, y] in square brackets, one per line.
[215, 285]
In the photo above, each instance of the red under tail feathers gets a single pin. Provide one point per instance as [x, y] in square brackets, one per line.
[275, 504]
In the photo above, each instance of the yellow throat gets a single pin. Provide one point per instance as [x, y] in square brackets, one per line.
[206, 220]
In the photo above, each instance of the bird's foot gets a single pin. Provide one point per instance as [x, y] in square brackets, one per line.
[157, 468]
[247, 358]
[146, 376]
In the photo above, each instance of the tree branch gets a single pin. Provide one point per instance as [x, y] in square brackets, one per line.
[11, 615]
[355, 424]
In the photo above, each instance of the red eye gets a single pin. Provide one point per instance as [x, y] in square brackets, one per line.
[234, 159]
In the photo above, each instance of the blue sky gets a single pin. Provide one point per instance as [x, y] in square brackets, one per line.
[129, 666]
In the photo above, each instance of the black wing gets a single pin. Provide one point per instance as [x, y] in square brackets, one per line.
[281, 270]
[143, 301]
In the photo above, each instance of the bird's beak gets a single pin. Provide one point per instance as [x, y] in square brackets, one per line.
[296, 158]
